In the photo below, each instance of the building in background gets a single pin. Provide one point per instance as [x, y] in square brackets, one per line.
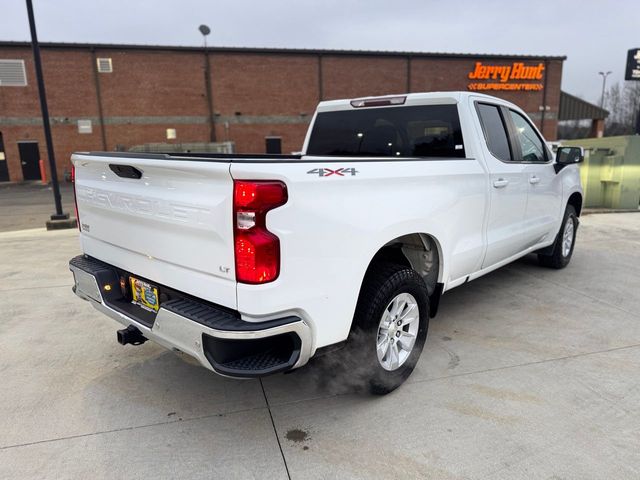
[114, 97]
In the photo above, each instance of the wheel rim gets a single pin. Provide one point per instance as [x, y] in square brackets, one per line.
[397, 331]
[567, 237]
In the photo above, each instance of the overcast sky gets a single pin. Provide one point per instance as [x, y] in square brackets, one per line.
[594, 35]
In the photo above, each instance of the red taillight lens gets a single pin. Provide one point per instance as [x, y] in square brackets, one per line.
[75, 195]
[257, 257]
[257, 250]
[259, 195]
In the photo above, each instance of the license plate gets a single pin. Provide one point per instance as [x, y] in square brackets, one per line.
[144, 294]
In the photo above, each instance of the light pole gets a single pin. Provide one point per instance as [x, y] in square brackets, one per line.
[59, 219]
[604, 83]
[205, 30]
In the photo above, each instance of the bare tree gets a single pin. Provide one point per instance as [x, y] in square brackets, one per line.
[623, 104]
[573, 129]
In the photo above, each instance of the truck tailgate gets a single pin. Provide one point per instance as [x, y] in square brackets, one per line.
[172, 226]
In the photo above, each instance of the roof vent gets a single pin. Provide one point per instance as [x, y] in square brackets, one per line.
[12, 73]
[104, 65]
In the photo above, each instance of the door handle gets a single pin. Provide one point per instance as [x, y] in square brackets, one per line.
[533, 180]
[500, 183]
[125, 171]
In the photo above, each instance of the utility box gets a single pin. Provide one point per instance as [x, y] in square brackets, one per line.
[610, 173]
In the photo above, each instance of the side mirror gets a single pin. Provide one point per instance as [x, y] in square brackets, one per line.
[568, 156]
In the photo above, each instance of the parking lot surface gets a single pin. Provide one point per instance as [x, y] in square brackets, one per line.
[527, 373]
[29, 205]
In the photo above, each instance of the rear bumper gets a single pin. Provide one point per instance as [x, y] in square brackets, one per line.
[217, 337]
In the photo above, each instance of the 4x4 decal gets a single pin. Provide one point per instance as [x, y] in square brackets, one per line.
[327, 172]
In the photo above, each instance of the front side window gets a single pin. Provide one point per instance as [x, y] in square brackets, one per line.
[533, 149]
[414, 131]
[495, 131]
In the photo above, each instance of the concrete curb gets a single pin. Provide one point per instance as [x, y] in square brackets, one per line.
[590, 211]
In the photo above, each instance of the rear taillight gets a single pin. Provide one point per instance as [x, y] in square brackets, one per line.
[75, 195]
[257, 250]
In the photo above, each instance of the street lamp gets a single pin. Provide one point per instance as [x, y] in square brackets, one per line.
[604, 83]
[205, 30]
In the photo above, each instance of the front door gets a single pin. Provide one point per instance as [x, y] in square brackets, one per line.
[543, 212]
[507, 185]
[4, 171]
[30, 160]
[544, 204]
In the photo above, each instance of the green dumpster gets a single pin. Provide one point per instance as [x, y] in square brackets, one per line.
[610, 173]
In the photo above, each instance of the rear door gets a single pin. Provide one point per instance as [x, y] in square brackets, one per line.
[165, 220]
[508, 186]
[545, 186]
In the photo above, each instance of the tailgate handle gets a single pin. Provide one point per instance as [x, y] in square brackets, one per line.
[125, 171]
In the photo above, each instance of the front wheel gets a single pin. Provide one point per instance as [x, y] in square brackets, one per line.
[389, 328]
[564, 243]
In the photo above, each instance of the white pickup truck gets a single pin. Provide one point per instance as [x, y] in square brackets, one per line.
[253, 264]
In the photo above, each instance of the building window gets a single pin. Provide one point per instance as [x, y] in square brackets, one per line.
[12, 73]
[104, 65]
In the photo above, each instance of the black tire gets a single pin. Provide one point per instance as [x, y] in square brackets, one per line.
[382, 283]
[558, 259]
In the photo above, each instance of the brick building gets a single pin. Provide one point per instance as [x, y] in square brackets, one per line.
[108, 97]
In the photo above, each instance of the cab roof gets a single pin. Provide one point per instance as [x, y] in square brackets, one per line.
[405, 99]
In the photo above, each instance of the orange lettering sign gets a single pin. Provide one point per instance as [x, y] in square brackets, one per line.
[505, 75]
[527, 87]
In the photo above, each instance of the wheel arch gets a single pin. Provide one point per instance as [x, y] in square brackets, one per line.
[422, 252]
[575, 200]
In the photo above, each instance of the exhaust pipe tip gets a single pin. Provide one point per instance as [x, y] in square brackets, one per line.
[130, 335]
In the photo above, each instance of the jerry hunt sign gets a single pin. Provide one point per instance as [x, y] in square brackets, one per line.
[506, 77]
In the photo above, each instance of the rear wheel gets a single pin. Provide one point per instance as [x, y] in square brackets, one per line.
[564, 243]
[389, 328]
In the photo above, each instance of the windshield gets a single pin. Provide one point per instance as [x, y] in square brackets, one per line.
[420, 131]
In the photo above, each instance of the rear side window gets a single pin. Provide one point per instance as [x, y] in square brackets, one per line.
[495, 131]
[420, 131]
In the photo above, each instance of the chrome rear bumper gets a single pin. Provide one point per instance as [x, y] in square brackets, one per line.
[216, 337]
